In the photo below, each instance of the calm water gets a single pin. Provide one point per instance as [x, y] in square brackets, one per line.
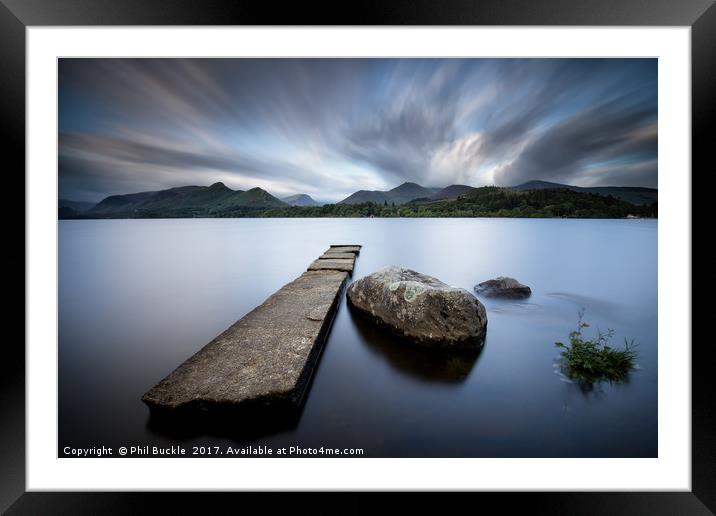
[138, 297]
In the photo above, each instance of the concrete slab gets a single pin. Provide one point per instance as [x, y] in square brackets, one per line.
[333, 264]
[345, 249]
[331, 255]
[265, 358]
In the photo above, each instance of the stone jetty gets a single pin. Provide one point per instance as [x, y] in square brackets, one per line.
[268, 356]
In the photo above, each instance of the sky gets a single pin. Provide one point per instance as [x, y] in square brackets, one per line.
[330, 127]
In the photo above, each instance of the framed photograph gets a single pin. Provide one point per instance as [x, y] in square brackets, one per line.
[410, 250]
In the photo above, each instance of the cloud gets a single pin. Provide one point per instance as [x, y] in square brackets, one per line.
[328, 127]
[587, 144]
[460, 161]
[106, 161]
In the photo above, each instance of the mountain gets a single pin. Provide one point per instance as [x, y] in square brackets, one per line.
[256, 198]
[633, 194]
[452, 192]
[398, 195]
[77, 206]
[67, 209]
[486, 201]
[408, 192]
[185, 201]
[538, 185]
[362, 196]
[534, 198]
[300, 200]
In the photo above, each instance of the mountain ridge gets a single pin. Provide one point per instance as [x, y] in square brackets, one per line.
[300, 200]
[218, 200]
[188, 201]
[452, 192]
[408, 192]
[632, 194]
[401, 194]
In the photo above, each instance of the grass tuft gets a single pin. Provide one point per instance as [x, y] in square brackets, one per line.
[591, 361]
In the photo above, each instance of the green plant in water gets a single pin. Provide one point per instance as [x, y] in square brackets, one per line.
[595, 360]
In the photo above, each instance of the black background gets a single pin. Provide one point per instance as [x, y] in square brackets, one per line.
[16, 15]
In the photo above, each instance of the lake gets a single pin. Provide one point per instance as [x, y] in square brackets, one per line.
[138, 297]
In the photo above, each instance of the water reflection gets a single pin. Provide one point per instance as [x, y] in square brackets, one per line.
[138, 297]
[596, 307]
[435, 365]
[594, 370]
[245, 424]
[512, 307]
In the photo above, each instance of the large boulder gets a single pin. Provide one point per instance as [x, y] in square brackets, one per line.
[503, 286]
[420, 308]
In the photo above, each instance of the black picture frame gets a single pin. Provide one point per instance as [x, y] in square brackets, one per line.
[17, 15]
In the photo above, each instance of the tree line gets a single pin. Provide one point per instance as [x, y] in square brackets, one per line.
[483, 202]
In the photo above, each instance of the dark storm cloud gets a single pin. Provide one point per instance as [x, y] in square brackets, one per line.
[329, 127]
[573, 149]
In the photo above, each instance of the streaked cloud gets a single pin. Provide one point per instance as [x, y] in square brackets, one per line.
[328, 127]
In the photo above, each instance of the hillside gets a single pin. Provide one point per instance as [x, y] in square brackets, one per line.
[361, 196]
[77, 206]
[398, 195]
[632, 194]
[67, 209]
[410, 192]
[300, 200]
[532, 199]
[185, 201]
[452, 192]
[488, 201]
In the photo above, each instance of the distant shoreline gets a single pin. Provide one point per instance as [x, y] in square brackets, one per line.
[218, 201]
[353, 217]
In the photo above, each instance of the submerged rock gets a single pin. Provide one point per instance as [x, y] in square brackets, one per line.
[420, 308]
[503, 286]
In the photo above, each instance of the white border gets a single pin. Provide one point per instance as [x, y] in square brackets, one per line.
[670, 471]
